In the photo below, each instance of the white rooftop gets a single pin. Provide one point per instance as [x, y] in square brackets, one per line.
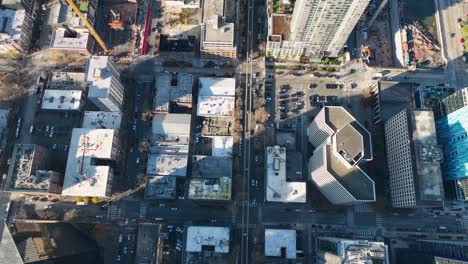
[95, 68]
[167, 165]
[61, 41]
[11, 22]
[198, 236]
[61, 100]
[275, 239]
[82, 178]
[222, 146]
[171, 127]
[278, 189]
[101, 119]
[216, 96]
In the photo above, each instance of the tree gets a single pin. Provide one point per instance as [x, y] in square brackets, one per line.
[77, 199]
[85, 200]
[95, 200]
[261, 115]
[326, 60]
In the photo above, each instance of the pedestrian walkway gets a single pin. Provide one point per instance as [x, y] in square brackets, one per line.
[234, 216]
[350, 216]
[142, 213]
[260, 214]
[112, 212]
[364, 232]
[464, 222]
[379, 219]
[363, 208]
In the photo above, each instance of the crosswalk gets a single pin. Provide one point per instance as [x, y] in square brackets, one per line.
[350, 216]
[464, 222]
[260, 214]
[379, 219]
[142, 213]
[364, 232]
[113, 212]
[363, 208]
[234, 216]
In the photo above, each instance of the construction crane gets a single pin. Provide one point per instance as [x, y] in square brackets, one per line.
[88, 26]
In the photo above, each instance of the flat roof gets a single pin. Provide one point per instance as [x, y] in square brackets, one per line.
[217, 31]
[171, 128]
[353, 179]
[61, 100]
[161, 99]
[24, 174]
[8, 250]
[160, 187]
[222, 146]
[84, 175]
[66, 81]
[167, 165]
[276, 239]
[428, 155]
[212, 8]
[11, 22]
[4, 117]
[210, 188]
[280, 25]
[102, 74]
[102, 119]
[59, 39]
[278, 189]
[198, 236]
[216, 96]
[182, 92]
[353, 251]
[170, 149]
[395, 97]
[211, 166]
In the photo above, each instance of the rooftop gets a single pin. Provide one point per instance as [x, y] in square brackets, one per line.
[61, 100]
[198, 236]
[167, 165]
[161, 99]
[428, 155]
[217, 126]
[212, 8]
[88, 165]
[11, 22]
[211, 167]
[171, 128]
[216, 96]
[280, 26]
[394, 97]
[4, 118]
[66, 81]
[182, 92]
[160, 187]
[62, 14]
[25, 173]
[222, 146]
[278, 189]
[78, 40]
[217, 30]
[210, 188]
[351, 251]
[101, 119]
[277, 239]
[98, 68]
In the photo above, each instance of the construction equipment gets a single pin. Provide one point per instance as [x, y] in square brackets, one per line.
[88, 26]
[116, 20]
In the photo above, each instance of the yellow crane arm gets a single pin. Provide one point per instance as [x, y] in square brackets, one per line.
[88, 26]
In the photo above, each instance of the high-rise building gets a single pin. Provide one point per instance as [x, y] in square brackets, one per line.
[452, 127]
[433, 252]
[325, 25]
[317, 28]
[341, 145]
[344, 251]
[106, 90]
[413, 157]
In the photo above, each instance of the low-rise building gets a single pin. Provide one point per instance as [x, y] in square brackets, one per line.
[61, 100]
[211, 178]
[90, 163]
[182, 3]
[216, 97]
[106, 90]
[11, 31]
[160, 187]
[4, 119]
[413, 159]
[101, 119]
[217, 39]
[171, 129]
[221, 146]
[73, 40]
[280, 243]
[278, 189]
[278, 43]
[218, 238]
[66, 81]
[29, 171]
[342, 144]
[167, 165]
[344, 251]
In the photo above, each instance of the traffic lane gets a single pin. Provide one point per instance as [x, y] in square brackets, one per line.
[298, 215]
[170, 213]
[416, 222]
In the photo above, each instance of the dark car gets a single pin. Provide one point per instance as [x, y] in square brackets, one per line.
[312, 85]
[331, 86]
[284, 96]
[300, 93]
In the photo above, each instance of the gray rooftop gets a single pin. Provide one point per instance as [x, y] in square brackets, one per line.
[171, 127]
[276, 239]
[161, 99]
[217, 30]
[212, 8]
[428, 155]
[211, 166]
[167, 165]
[66, 81]
[394, 97]
[353, 179]
[182, 92]
[160, 187]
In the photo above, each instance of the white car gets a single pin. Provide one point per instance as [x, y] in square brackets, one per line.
[174, 208]
[137, 160]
